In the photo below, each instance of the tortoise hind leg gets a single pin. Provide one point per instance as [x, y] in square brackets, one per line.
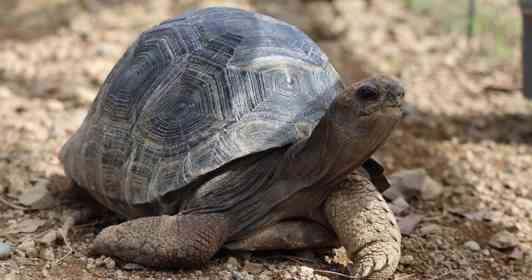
[179, 241]
[365, 227]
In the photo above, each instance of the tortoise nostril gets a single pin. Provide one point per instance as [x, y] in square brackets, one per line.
[396, 88]
[401, 93]
[398, 92]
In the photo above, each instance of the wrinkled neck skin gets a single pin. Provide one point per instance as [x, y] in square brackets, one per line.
[340, 143]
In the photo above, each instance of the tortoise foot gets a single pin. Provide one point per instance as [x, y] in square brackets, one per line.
[365, 227]
[375, 261]
[180, 241]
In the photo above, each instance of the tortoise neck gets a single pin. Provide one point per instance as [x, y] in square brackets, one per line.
[327, 154]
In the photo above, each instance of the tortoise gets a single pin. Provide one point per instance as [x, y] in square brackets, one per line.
[225, 128]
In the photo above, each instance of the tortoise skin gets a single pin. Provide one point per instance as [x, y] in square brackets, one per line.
[191, 95]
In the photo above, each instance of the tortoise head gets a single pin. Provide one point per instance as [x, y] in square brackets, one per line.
[367, 111]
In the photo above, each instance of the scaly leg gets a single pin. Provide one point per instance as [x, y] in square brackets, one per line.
[179, 241]
[365, 227]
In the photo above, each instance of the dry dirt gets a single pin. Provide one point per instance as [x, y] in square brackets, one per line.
[469, 128]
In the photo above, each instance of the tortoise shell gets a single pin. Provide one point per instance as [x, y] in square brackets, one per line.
[193, 94]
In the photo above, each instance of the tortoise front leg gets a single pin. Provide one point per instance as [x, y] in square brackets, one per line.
[365, 227]
[180, 241]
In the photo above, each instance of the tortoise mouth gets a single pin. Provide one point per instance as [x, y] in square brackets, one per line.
[386, 108]
[391, 105]
[404, 112]
[392, 109]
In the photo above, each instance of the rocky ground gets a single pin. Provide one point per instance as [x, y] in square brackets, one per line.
[466, 212]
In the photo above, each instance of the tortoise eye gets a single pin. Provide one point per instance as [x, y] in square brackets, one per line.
[368, 93]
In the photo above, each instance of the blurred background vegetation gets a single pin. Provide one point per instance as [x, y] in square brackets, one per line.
[497, 32]
[492, 28]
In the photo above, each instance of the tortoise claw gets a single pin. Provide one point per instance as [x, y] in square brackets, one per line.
[376, 261]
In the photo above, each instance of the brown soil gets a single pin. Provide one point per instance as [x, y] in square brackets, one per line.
[469, 128]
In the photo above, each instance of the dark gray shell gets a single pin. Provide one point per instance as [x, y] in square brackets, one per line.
[193, 94]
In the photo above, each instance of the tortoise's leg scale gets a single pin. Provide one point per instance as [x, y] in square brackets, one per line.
[180, 241]
[365, 227]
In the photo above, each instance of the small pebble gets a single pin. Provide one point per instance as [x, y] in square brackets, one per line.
[503, 240]
[408, 223]
[399, 205]
[472, 245]
[104, 50]
[109, 263]
[50, 238]
[429, 229]
[517, 254]
[29, 248]
[91, 264]
[5, 92]
[306, 272]
[407, 260]
[5, 251]
[99, 261]
[320, 277]
[287, 275]
[47, 254]
[38, 197]
[232, 263]
[225, 275]
[241, 276]
[54, 105]
[493, 216]
[292, 269]
[11, 276]
[266, 275]
[253, 268]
